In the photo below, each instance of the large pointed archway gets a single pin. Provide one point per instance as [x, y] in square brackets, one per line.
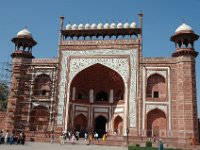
[100, 125]
[93, 91]
[156, 123]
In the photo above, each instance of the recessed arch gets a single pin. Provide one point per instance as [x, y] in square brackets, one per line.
[156, 123]
[80, 123]
[118, 125]
[98, 78]
[42, 85]
[156, 86]
[39, 118]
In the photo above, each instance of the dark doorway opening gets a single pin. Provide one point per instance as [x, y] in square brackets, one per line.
[102, 96]
[100, 125]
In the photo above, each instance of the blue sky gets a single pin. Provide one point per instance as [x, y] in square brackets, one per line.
[41, 17]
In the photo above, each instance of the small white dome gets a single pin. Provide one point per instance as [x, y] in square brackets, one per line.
[126, 25]
[100, 26]
[80, 26]
[68, 27]
[106, 26]
[93, 26]
[74, 26]
[87, 26]
[119, 25]
[133, 25]
[24, 32]
[113, 25]
[184, 27]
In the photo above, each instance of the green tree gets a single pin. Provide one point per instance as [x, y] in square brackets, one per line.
[4, 90]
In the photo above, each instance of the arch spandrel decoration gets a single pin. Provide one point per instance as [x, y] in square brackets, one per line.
[46, 72]
[152, 107]
[80, 113]
[84, 63]
[79, 64]
[151, 72]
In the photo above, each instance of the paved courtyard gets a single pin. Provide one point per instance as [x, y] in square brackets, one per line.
[57, 146]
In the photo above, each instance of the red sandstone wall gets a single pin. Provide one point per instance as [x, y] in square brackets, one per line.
[2, 120]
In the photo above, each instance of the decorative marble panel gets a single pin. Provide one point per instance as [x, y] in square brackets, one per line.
[101, 110]
[81, 108]
[71, 67]
[117, 110]
[150, 72]
[152, 107]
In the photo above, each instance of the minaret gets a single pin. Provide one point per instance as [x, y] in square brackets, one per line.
[185, 99]
[22, 57]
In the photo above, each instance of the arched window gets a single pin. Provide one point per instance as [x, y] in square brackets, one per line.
[42, 85]
[156, 87]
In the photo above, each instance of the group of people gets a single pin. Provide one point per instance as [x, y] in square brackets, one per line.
[12, 137]
[73, 137]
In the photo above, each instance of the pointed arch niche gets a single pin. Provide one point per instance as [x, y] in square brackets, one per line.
[156, 87]
[103, 81]
[118, 125]
[39, 118]
[156, 123]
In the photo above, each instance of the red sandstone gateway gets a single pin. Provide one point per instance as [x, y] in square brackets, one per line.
[101, 83]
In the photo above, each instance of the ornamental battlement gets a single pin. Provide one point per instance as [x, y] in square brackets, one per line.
[100, 31]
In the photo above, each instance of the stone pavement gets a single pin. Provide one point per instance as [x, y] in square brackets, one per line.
[80, 145]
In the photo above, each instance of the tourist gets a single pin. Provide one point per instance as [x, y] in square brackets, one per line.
[69, 135]
[52, 137]
[96, 137]
[73, 139]
[161, 146]
[11, 140]
[77, 135]
[6, 137]
[19, 139]
[1, 135]
[104, 137]
[23, 138]
[86, 136]
[62, 140]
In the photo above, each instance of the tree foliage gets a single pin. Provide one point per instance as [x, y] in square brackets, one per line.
[4, 90]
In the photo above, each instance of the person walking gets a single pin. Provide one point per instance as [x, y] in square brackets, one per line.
[11, 140]
[161, 146]
[6, 137]
[1, 135]
[52, 137]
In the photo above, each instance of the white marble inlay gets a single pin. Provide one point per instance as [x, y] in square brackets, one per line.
[101, 110]
[117, 110]
[152, 107]
[151, 72]
[81, 108]
[120, 65]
